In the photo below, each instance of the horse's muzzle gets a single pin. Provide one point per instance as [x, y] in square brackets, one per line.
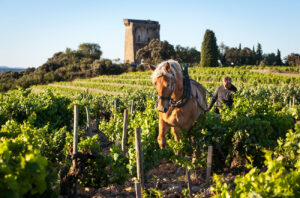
[164, 110]
[161, 108]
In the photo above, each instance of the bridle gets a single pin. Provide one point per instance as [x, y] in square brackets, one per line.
[169, 96]
[186, 91]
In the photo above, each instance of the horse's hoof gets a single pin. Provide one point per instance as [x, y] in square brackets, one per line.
[161, 144]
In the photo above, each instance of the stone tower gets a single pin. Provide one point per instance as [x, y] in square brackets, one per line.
[138, 33]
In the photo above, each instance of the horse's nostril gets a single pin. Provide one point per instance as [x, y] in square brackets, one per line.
[165, 110]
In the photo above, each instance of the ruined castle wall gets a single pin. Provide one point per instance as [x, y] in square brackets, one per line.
[138, 33]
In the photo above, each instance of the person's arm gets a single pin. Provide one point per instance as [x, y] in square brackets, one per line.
[234, 89]
[213, 100]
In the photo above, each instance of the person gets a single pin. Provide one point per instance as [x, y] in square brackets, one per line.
[223, 95]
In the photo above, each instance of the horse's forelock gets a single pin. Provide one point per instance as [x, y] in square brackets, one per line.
[160, 70]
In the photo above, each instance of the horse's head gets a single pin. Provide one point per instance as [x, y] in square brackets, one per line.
[164, 81]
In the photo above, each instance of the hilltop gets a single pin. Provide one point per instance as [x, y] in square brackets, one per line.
[63, 66]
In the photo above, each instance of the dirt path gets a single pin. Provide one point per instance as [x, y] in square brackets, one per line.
[167, 178]
[93, 90]
[276, 72]
[114, 83]
[131, 79]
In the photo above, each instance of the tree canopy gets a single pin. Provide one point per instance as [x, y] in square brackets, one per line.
[293, 59]
[90, 50]
[156, 51]
[187, 55]
[209, 50]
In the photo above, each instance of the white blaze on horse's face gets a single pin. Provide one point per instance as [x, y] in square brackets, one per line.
[163, 85]
[164, 90]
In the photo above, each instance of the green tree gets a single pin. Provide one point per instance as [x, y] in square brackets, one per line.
[156, 51]
[278, 58]
[247, 57]
[223, 49]
[209, 50]
[268, 60]
[259, 53]
[232, 56]
[187, 55]
[91, 50]
[292, 59]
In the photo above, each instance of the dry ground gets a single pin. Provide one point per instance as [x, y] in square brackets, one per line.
[274, 71]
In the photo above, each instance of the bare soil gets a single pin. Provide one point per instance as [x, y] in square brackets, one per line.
[274, 71]
[167, 178]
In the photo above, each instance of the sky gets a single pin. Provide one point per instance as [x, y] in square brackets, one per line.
[31, 31]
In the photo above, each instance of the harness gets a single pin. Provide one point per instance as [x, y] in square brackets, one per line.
[186, 91]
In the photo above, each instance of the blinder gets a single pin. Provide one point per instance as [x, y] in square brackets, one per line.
[166, 97]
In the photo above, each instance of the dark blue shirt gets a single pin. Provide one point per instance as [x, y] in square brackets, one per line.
[223, 96]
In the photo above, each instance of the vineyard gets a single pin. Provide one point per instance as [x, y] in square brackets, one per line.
[256, 144]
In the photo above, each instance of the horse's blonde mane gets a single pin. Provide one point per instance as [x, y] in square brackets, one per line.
[175, 67]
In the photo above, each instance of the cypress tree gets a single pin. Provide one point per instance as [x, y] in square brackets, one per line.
[278, 58]
[209, 50]
[258, 54]
[253, 56]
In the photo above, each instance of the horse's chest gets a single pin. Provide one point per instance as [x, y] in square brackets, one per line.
[175, 118]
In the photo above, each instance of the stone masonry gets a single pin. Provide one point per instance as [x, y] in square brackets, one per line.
[138, 33]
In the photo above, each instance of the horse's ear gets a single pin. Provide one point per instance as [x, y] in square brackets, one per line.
[152, 67]
[167, 67]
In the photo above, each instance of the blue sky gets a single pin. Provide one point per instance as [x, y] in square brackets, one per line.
[31, 31]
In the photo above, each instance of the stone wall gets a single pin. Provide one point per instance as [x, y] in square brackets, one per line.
[138, 33]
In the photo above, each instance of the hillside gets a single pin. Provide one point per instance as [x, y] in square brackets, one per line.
[63, 66]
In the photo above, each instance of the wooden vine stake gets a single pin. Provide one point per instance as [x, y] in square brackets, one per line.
[132, 106]
[75, 142]
[88, 121]
[115, 103]
[209, 162]
[138, 190]
[139, 156]
[293, 100]
[131, 110]
[124, 137]
[188, 178]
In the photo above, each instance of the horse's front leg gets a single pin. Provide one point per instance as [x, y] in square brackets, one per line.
[163, 128]
[176, 132]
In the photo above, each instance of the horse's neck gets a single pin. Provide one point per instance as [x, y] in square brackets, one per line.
[178, 91]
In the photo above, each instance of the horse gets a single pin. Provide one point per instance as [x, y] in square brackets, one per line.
[180, 101]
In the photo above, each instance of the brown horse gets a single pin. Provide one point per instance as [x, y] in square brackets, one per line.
[177, 110]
